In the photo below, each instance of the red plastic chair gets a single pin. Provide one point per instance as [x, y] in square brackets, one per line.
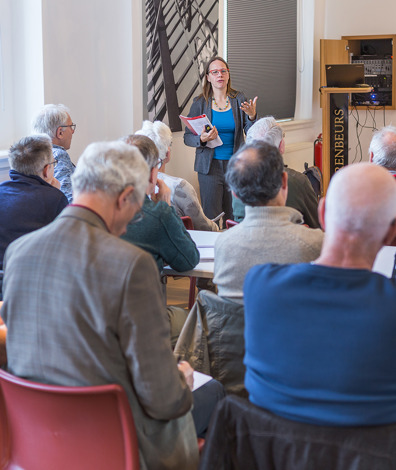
[47, 427]
[187, 221]
[230, 223]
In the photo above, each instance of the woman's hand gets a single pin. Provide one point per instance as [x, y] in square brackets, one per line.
[249, 107]
[207, 136]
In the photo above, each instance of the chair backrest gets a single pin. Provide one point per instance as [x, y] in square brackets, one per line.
[242, 435]
[47, 427]
[212, 340]
[187, 221]
[230, 223]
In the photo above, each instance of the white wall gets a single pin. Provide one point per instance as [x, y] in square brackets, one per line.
[21, 77]
[89, 48]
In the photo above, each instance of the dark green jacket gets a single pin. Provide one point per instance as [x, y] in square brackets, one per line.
[161, 232]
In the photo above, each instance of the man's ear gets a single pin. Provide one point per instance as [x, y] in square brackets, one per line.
[321, 212]
[124, 196]
[390, 237]
[59, 133]
[371, 156]
[45, 172]
[152, 178]
[282, 146]
[285, 178]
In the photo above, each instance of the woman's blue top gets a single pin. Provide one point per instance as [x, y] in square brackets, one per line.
[225, 125]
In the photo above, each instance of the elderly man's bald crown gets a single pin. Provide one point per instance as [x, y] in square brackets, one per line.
[361, 200]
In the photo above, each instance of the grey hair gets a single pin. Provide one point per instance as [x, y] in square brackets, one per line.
[254, 173]
[261, 128]
[383, 147]
[146, 146]
[159, 133]
[110, 167]
[49, 118]
[30, 155]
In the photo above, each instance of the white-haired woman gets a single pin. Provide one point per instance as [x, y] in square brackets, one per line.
[183, 196]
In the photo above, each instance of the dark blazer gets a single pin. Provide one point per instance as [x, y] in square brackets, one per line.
[203, 154]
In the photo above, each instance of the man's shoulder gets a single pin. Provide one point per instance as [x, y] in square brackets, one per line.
[60, 152]
[159, 210]
[296, 177]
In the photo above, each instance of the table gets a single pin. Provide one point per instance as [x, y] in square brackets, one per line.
[205, 242]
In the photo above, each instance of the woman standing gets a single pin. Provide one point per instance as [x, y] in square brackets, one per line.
[230, 114]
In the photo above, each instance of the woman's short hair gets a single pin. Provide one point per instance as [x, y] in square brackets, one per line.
[30, 155]
[159, 133]
[110, 167]
[49, 118]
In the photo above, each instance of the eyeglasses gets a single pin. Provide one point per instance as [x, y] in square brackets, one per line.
[139, 216]
[73, 126]
[216, 72]
[52, 163]
[159, 163]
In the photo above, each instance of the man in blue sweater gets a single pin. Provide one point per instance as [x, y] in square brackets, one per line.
[320, 337]
[31, 198]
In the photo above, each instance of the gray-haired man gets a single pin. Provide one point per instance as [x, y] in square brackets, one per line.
[382, 149]
[55, 121]
[91, 311]
[270, 231]
[301, 195]
[31, 197]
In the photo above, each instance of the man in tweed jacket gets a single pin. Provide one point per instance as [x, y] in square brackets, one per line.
[83, 307]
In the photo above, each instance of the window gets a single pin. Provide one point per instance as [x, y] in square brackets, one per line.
[262, 53]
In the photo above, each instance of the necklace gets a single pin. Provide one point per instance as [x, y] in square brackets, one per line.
[218, 107]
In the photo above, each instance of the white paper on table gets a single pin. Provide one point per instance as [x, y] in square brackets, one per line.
[204, 239]
[200, 379]
[206, 253]
[197, 125]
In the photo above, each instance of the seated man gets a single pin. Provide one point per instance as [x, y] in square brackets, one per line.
[301, 195]
[270, 231]
[320, 337]
[183, 196]
[382, 149]
[90, 309]
[31, 198]
[55, 121]
[160, 232]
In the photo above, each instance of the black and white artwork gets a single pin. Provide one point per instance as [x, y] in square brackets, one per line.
[181, 36]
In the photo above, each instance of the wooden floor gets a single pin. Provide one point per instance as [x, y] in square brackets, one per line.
[177, 291]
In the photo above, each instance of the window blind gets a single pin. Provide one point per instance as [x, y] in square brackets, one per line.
[262, 53]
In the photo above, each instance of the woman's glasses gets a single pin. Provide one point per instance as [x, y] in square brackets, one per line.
[216, 72]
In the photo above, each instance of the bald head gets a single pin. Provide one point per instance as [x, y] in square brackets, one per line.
[361, 202]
